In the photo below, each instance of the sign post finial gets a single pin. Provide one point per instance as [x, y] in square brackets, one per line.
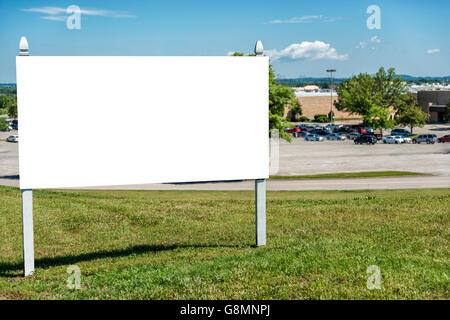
[23, 47]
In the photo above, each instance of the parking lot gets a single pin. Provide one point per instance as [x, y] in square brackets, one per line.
[302, 157]
[310, 157]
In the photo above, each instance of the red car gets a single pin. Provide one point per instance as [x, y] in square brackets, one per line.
[295, 131]
[444, 139]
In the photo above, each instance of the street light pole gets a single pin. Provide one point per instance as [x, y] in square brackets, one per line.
[331, 90]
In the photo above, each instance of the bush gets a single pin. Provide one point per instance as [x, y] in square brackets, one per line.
[321, 118]
[303, 119]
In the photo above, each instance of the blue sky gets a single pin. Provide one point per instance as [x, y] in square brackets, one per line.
[304, 38]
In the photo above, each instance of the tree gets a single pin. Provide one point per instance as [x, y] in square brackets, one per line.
[3, 124]
[8, 105]
[280, 97]
[372, 97]
[4, 102]
[409, 114]
[296, 110]
[447, 112]
[12, 108]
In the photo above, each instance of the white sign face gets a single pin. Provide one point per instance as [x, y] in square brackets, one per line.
[96, 121]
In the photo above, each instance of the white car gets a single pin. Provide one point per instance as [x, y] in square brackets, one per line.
[393, 139]
[407, 140]
[14, 138]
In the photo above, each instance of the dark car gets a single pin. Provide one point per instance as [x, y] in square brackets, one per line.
[378, 136]
[321, 132]
[353, 136]
[401, 132]
[444, 139]
[366, 139]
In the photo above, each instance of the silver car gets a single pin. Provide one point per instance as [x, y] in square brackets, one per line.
[335, 136]
[313, 137]
[427, 138]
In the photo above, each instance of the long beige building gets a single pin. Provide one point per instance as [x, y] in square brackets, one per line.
[320, 104]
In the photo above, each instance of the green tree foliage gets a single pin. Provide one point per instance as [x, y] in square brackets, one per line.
[8, 105]
[447, 112]
[4, 101]
[8, 91]
[372, 97]
[12, 109]
[409, 114]
[280, 97]
[3, 124]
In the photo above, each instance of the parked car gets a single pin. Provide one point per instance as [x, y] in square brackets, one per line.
[8, 129]
[335, 136]
[427, 138]
[406, 139]
[393, 139]
[15, 124]
[13, 138]
[353, 135]
[366, 139]
[295, 131]
[307, 128]
[378, 136]
[304, 133]
[444, 139]
[358, 128]
[313, 137]
[321, 132]
[400, 132]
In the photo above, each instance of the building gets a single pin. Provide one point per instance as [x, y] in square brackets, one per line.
[434, 103]
[320, 103]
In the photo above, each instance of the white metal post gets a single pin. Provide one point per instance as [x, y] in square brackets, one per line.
[27, 231]
[260, 188]
[260, 204]
[27, 205]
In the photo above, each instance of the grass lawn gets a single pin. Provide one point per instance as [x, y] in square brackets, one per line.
[367, 174]
[198, 245]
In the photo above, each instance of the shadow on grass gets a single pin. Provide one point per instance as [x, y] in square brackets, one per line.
[9, 270]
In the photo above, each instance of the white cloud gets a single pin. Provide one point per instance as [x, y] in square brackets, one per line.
[372, 41]
[431, 51]
[306, 50]
[60, 14]
[54, 18]
[305, 19]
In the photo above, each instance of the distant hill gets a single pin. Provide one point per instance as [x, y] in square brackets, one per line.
[324, 81]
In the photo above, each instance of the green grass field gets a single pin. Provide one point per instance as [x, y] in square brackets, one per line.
[344, 175]
[199, 245]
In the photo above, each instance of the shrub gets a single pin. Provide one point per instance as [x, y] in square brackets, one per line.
[322, 118]
[303, 119]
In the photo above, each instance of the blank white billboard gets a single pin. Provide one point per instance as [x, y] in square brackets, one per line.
[96, 121]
